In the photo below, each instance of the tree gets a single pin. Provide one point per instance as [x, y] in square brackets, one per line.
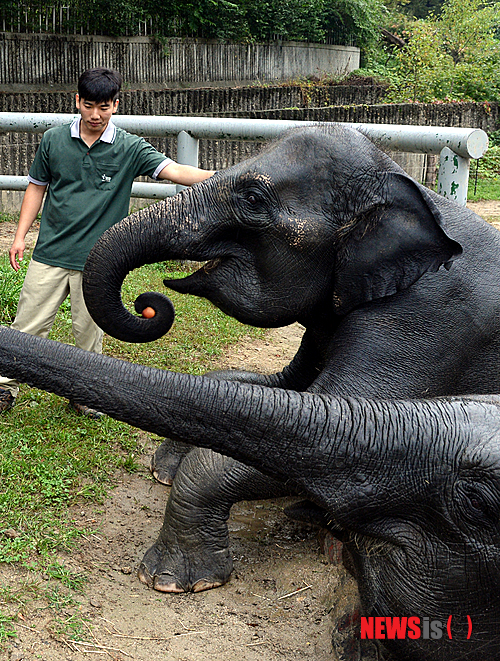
[361, 18]
[453, 56]
[421, 8]
[224, 20]
[420, 71]
[117, 22]
[294, 20]
[466, 27]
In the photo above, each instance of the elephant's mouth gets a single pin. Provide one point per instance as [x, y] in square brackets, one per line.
[370, 541]
[230, 283]
[197, 283]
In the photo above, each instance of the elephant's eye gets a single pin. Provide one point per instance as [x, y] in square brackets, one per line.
[252, 195]
[477, 503]
[255, 203]
[252, 198]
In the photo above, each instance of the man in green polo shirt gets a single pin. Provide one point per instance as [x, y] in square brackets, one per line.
[88, 167]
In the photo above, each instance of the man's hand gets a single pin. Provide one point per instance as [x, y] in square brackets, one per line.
[32, 201]
[16, 253]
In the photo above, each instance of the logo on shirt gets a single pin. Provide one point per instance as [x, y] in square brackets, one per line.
[105, 178]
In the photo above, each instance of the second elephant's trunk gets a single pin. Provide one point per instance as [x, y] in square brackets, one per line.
[327, 447]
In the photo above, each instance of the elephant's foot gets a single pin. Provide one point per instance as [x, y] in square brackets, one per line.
[167, 459]
[192, 551]
[167, 571]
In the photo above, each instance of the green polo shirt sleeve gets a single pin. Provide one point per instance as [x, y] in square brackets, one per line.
[88, 192]
[40, 170]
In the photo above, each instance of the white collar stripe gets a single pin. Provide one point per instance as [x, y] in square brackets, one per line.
[108, 135]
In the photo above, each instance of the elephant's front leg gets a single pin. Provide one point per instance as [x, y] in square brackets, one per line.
[192, 550]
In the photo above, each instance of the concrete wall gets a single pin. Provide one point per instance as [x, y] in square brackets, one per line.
[484, 116]
[31, 62]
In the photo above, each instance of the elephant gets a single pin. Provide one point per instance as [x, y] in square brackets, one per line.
[411, 486]
[386, 418]
[325, 229]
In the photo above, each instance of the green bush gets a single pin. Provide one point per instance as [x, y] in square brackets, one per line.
[351, 21]
[489, 164]
[453, 55]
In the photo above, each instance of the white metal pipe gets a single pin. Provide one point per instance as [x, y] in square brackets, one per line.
[9, 182]
[187, 151]
[139, 188]
[156, 191]
[453, 176]
[462, 143]
[466, 142]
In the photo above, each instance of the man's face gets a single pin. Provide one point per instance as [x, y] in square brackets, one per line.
[95, 114]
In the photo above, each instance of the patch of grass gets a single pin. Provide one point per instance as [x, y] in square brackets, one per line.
[72, 625]
[483, 189]
[200, 333]
[69, 578]
[484, 180]
[6, 629]
[11, 605]
[51, 459]
[129, 464]
[11, 283]
[58, 598]
[6, 217]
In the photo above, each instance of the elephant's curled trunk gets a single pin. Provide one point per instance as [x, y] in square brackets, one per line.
[135, 241]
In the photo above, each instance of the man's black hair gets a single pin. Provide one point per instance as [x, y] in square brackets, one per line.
[99, 85]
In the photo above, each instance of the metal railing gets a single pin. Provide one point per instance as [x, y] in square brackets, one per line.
[456, 146]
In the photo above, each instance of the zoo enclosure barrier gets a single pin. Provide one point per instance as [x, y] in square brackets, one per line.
[455, 146]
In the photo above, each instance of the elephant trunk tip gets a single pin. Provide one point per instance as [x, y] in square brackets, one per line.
[156, 312]
[157, 316]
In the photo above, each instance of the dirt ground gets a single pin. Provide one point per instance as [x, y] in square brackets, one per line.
[488, 209]
[278, 605]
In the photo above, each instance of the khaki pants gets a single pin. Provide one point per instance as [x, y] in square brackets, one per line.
[44, 289]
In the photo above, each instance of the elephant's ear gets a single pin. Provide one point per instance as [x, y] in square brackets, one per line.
[391, 245]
